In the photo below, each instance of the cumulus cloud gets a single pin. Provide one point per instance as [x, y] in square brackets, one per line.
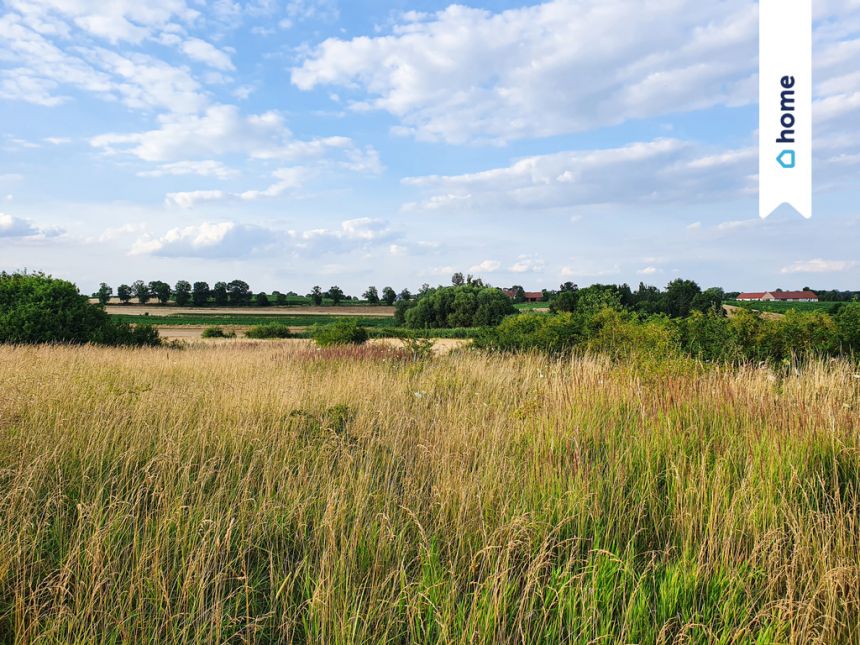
[663, 170]
[486, 266]
[208, 54]
[819, 265]
[464, 74]
[204, 168]
[18, 227]
[527, 264]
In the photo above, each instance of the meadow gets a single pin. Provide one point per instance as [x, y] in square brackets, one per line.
[240, 491]
[250, 318]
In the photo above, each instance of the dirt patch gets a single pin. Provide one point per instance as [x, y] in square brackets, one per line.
[732, 310]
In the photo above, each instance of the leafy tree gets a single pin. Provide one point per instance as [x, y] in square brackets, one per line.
[161, 290]
[262, 299]
[457, 279]
[219, 293]
[36, 308]
[565, 301]
[679, 297]
[280, 298]
[182, 293]
[316, 295]
[371, 295]
[405, 295]
[464, 306]
[104, 293]
[519, 293]
[200, 293]
[848, 326]
[389, 296]
[141, 291]
[336, 294]
[124, 294]
[709, 300]
[342, 332]
[238, 292]
[567, 286]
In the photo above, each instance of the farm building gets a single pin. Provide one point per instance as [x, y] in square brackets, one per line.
[782, 296]
[530, 296]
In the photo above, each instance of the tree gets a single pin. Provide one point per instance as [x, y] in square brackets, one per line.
[123, 292]
[280, 299]
[219, 293]
[565, 301]
[182, 292]
[457, 279]
[104, 293]
[140, 291]
[405, 295]
[200, 293]
[238, 292]
[457, 306]
[262, 299]
[388, 296]
[160, 290]
[336, 294]
[317, 295]
[36, 308]
[710, 300]
[679, 297]
[371, 295]
[567, 286]
[519, 293]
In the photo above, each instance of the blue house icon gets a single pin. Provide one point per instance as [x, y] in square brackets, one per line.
[786, 158]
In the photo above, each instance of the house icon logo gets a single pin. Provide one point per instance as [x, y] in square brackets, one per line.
[786, 159]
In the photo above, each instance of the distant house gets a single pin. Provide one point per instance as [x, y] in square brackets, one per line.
[530, 296]
[781, 296]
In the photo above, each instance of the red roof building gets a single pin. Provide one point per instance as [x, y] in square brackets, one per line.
[780, 296]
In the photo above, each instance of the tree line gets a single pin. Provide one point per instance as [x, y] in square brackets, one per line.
[236, 293]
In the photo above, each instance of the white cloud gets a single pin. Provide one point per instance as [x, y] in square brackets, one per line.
[205, 168]
[208, 54]
[647, 271]
[820, 265]
[17, 227]
[208, 240]
[526, 264]
[465, 74]
[191, 198]
[486, 266]
[664, 170]
[586, 269]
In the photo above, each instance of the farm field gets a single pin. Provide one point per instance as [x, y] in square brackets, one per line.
[782, 307]
[273, 492]
[250, 318]
[168, 310]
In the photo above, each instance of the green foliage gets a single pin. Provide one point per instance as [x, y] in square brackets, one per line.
[141, 291]
[467, 305]
[371, 295]
[200, 293]
[848, 326]
[388, 296]
[335, 293]
[104, 293]
[217, 332]
[316, 295]
[342, 332]
[269, 330]
[219, 294]
[123, 292]
[262, 300]
[550, 334]
[182, 292]
[238, 293]
[35, 308]
[161, 290]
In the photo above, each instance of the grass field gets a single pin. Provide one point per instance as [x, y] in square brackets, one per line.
[782, 307]
[270, 492]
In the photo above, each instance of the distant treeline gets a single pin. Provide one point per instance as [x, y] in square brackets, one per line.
[236, 293]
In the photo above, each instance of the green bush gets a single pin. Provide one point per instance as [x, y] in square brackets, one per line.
[217, 332]
[551, 334]
[848, 327]
[342, 332]
[468, 305]
[36, 308]
[269, 330]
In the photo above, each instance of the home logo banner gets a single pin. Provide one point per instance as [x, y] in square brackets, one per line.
[785, 106]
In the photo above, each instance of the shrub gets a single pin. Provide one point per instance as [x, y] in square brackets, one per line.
[551, 334]
[269, 330]
[621, 334]
[217, 332]
[36, 308]
[468, 305]
[848, 327]
[342, 332]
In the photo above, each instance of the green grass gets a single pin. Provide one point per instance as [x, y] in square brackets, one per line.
[200, 318]
[530, 306]
[782, 307]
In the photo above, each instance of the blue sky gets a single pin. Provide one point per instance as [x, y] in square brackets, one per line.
[299, 142]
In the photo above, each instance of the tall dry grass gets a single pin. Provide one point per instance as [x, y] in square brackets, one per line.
[261, 493]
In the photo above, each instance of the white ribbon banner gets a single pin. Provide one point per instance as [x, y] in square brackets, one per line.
[785, 106]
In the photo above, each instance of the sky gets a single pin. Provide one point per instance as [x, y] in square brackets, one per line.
[293, 143]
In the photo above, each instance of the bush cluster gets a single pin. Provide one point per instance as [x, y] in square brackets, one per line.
[217, 332]
[705, 336]
[467, 305]
[342, 332]
[269, 330]
[36, 308]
